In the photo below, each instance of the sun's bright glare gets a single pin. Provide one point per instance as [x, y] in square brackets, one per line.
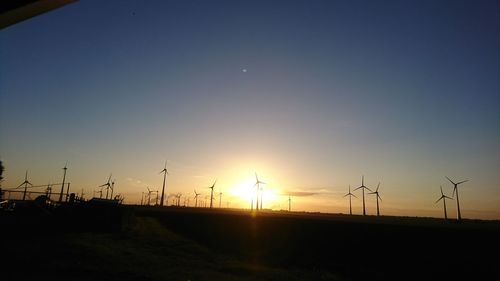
[246, 191]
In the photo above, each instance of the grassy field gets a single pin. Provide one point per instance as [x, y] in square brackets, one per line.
[143, 250]
[139, 243]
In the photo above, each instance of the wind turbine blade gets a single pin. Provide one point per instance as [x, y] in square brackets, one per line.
[462, 182]
[448, 197]
[354, 195]
[454, 190]
[450, 180]
[358, 188]
[214, 183]
[109, 177]
[378, 185]
[441, 187]
[379, 197]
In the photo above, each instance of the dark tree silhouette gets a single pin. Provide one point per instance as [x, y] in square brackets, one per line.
[1, 170]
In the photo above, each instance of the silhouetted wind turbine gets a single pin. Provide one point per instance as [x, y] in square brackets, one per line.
[107, 185]
[455, 190]
[350, 196]
[165, 173]
[112, 188]
[257, 183]
[289, 203]
[25, 183]
[48, 191]
[444, 197]
[363, 187]
[220, 198]
[62, 185]
[378, 197]
[149, 195]
[212, 193]
[196, 198]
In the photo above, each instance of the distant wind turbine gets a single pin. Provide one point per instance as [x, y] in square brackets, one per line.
[378, 197]
[112, 188]
[107, 185]
[350, 196]
[149, 195]
[257, 184]
[62, 185]
[212, 194]
[25, 183]
[455, 190]
[289, 203]
[196, 198]
[48, 191]
[444, 197]
[220, 199]
[165, 173]
[363, 187]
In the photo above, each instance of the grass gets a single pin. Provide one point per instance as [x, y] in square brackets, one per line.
[145, 251]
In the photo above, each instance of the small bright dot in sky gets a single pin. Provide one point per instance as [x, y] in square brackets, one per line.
[244, 70]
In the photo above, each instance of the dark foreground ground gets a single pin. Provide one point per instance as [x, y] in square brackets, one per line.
[139, 243]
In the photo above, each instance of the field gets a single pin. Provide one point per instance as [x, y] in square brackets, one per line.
[148, 243]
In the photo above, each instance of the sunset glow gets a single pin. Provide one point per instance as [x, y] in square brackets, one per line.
[310, 96]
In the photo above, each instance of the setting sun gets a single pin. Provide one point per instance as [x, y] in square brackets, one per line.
[245, 192]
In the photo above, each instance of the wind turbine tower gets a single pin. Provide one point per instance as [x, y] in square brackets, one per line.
[444, 197]
[455, 190]
[62, 185]
[196, 198]
[112, 188]
[257, 184]
[25, 183]
[107, 185]
[165, 173]
[378, 197]
[363, 187]
[350, 197]
[220, 199]
[212, 194]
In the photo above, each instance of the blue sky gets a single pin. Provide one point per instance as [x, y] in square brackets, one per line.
[404, 93]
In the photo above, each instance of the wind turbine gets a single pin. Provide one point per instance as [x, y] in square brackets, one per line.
[62, 185]
[196, 198]
[257, 184]
[455, 190]
[443, 197]
[149, 195]
[212, 194]
[220, 198]
[350, 197]
[112, 188]
[289, 203]
[48, 191]
[165, 173]
[107, 185]
[378, 197]
[363, 187]
[25, 183]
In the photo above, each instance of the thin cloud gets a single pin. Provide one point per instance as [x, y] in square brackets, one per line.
[300, 193]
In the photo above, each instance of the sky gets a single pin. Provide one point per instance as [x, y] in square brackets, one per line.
[310, 95]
